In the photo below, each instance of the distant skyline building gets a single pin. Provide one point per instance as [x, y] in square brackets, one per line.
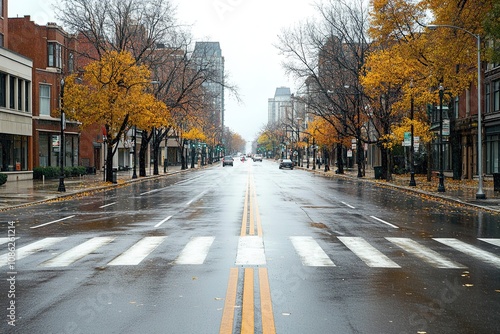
[278, 105]
[208, 57]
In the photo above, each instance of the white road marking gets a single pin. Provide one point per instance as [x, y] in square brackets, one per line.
[163, 221]
[196, 198]
[77, 252]
[6, 240]
[310, 252]
[384, 222]
[366, 252]
[348, 205]
[138, 252]
[52, 222]
[470, 250]
[31, 249]
[428, 255]
[105, 205]
[495, 242]
[250, 251]
[151, 192]
[196, 251]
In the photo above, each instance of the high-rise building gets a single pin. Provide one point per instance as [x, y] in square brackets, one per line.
[208, 58]
[279, 105]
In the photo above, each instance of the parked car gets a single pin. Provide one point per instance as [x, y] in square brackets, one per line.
[227, 160]
[257, 157]
[286, 163]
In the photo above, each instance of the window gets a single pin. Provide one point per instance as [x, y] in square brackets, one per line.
[20, 94]
[27, 95]
[55, 55]
[44, 100]
[3, 90]
[1, 39]
[487, 102]
[71, 63]
[496, 95]
[12, 92]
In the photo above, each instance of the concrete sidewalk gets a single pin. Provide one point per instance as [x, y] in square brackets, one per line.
[26, 192]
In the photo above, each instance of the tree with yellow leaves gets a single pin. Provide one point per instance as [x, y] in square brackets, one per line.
[112, 92]
[410, 62]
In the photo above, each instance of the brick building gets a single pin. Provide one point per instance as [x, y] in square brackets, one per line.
[51, 50]
[15, 107]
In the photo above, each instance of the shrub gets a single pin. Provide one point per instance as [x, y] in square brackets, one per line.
[3, 178]
[53, 172]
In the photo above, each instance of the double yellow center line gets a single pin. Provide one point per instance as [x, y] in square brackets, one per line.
[250, 222]
[251, 216]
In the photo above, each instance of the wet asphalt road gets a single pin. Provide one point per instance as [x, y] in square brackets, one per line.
[251, 248]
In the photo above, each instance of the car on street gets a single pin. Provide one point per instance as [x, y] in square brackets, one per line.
[257, 157]
[286, 163]
[227, 160]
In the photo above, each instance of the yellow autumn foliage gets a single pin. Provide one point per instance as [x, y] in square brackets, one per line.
[114, 92]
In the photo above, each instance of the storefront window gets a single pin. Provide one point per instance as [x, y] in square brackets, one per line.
[14, 152]
[492, 150]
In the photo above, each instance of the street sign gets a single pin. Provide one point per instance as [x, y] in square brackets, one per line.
[407, 139]
[446, 127]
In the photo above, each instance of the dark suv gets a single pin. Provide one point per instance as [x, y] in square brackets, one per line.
[286, 163]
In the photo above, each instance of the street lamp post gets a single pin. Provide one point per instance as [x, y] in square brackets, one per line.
[61, 187]
[297, 147]
[134, 173]
[307, 153]
[441, 172]
[314, 153]
[412, 144]
[479, 194]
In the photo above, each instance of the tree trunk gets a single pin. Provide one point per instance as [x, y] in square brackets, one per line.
[340, 159]
[109, 163]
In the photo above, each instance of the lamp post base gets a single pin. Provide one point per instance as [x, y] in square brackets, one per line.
[61, 187]
[480, 196]
[441, 183]
[412, 179]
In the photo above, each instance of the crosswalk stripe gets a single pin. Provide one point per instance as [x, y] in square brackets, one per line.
[366, 252]
[471, 250]
[495, 242]
[6, 240]
[310, 252]
[77, 252]
[196, 251]
[250, 251]
[31, 249]
[428, 255]
[138, 252]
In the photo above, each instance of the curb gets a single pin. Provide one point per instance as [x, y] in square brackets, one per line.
[108, 186]
[413, 191]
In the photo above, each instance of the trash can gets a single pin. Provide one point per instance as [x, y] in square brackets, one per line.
[378, 172]
[496, 181]
[115, 172]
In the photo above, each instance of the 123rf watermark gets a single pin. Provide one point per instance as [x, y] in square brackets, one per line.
[11, 273]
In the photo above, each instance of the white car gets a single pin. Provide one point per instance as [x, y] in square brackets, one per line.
[257, 157]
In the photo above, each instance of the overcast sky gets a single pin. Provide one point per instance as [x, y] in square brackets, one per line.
[246, 30]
